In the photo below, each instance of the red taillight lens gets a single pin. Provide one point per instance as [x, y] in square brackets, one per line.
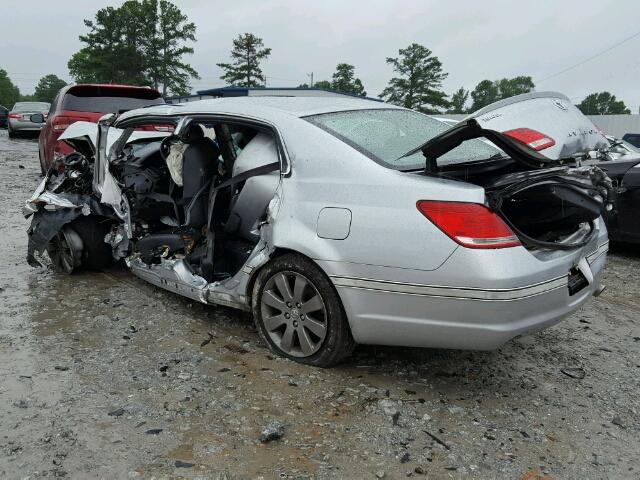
[15, 115]
[470, 224]
[61, 123]
[531, 138]
[163, 128]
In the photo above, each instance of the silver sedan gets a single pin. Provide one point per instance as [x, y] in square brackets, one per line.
[340, 221]
[19, 119]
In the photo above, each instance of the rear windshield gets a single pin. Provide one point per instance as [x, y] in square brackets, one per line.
[31, 107]
[109, 100]
[385, 135]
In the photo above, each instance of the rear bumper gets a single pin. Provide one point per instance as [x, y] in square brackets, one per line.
[480, 317]
[24, 126]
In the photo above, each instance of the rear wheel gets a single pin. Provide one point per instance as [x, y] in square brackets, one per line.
[10, 132]
[298, 312]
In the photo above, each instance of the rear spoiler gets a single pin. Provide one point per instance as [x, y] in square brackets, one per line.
[469, 129]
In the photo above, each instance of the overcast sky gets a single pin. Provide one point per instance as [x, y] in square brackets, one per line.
[474, 40]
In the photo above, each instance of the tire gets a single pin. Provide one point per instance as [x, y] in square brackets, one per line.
[80, 245]
[306, 323]
[43, 171]
[10, 132]
[96, 254]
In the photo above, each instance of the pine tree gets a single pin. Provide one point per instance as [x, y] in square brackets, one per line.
[246, 54]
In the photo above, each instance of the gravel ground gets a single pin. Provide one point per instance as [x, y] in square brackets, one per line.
[104, 376]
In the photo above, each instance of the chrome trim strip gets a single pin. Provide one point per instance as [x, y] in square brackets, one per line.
[451, 292]
[598, 252]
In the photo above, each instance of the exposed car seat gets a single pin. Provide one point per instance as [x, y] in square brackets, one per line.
[198, 169]
[249, 205]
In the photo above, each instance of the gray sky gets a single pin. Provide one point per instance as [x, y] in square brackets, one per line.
[474, 40]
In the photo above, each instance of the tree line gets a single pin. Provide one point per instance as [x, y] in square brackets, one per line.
[144, 42]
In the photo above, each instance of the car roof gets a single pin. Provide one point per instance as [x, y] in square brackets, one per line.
[262, 107]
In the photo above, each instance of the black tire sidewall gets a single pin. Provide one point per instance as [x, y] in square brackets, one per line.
[338, 342]
[96, 254]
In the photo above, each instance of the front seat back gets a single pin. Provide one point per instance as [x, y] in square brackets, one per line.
[198, 169]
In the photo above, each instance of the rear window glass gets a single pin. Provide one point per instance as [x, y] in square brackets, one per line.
[109, 100]
[31, 106]
[385, 135]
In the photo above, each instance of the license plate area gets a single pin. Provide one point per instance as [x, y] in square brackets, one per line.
[577, 281]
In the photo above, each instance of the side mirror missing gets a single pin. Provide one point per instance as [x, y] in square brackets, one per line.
[37, 118]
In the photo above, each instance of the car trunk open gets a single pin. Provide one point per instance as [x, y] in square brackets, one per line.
[548, 203]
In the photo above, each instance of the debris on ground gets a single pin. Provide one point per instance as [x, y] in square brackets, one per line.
[272, 431]
[577, 373]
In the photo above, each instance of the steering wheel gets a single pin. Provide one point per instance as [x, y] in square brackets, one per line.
[165, 147]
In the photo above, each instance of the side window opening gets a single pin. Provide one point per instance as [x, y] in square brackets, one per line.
[182, 202]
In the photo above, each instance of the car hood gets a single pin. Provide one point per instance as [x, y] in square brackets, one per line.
[550, 113]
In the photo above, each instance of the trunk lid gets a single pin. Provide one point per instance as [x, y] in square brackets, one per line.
[551, 113]
[545, 196]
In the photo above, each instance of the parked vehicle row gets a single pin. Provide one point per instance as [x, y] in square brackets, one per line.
[340, 221]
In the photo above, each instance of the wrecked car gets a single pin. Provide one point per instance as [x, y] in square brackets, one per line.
[621, 163]
[339, 221]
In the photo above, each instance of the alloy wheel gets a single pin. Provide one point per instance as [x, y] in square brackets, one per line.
[61, 253]
[294, 314]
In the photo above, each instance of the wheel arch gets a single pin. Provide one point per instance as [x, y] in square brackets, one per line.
[279, 252]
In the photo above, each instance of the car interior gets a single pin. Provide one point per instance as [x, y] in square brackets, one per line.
[205, 203]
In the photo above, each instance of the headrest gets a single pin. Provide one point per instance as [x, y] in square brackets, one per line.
[194, 132]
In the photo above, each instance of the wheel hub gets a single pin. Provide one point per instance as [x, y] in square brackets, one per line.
[294, 314]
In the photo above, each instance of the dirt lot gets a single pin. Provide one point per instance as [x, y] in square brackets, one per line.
[104, 376]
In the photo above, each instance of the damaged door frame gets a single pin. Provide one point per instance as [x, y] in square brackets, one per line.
[175, 274]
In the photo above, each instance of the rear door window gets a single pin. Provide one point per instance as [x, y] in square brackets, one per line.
[385, 135]
[31, 107]
[104, 100]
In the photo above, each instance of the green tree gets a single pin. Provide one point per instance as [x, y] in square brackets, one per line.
[344, 80]
[487, 91]
[114, 48]
[419, 81]
[142, 42]
[48, 87]
[167, 30]
[602, 103]
[323, 84]
[458, 101]
[9, 93]
[247, 53]
[510, 87]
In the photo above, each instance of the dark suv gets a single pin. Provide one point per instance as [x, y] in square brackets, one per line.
[87, 103]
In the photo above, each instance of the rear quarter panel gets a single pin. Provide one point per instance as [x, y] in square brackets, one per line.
[386, 227]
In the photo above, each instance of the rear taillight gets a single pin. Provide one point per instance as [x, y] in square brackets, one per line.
[472, 225]
[61, 123]
[163, 128]
[15, 115]
[531, 138]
